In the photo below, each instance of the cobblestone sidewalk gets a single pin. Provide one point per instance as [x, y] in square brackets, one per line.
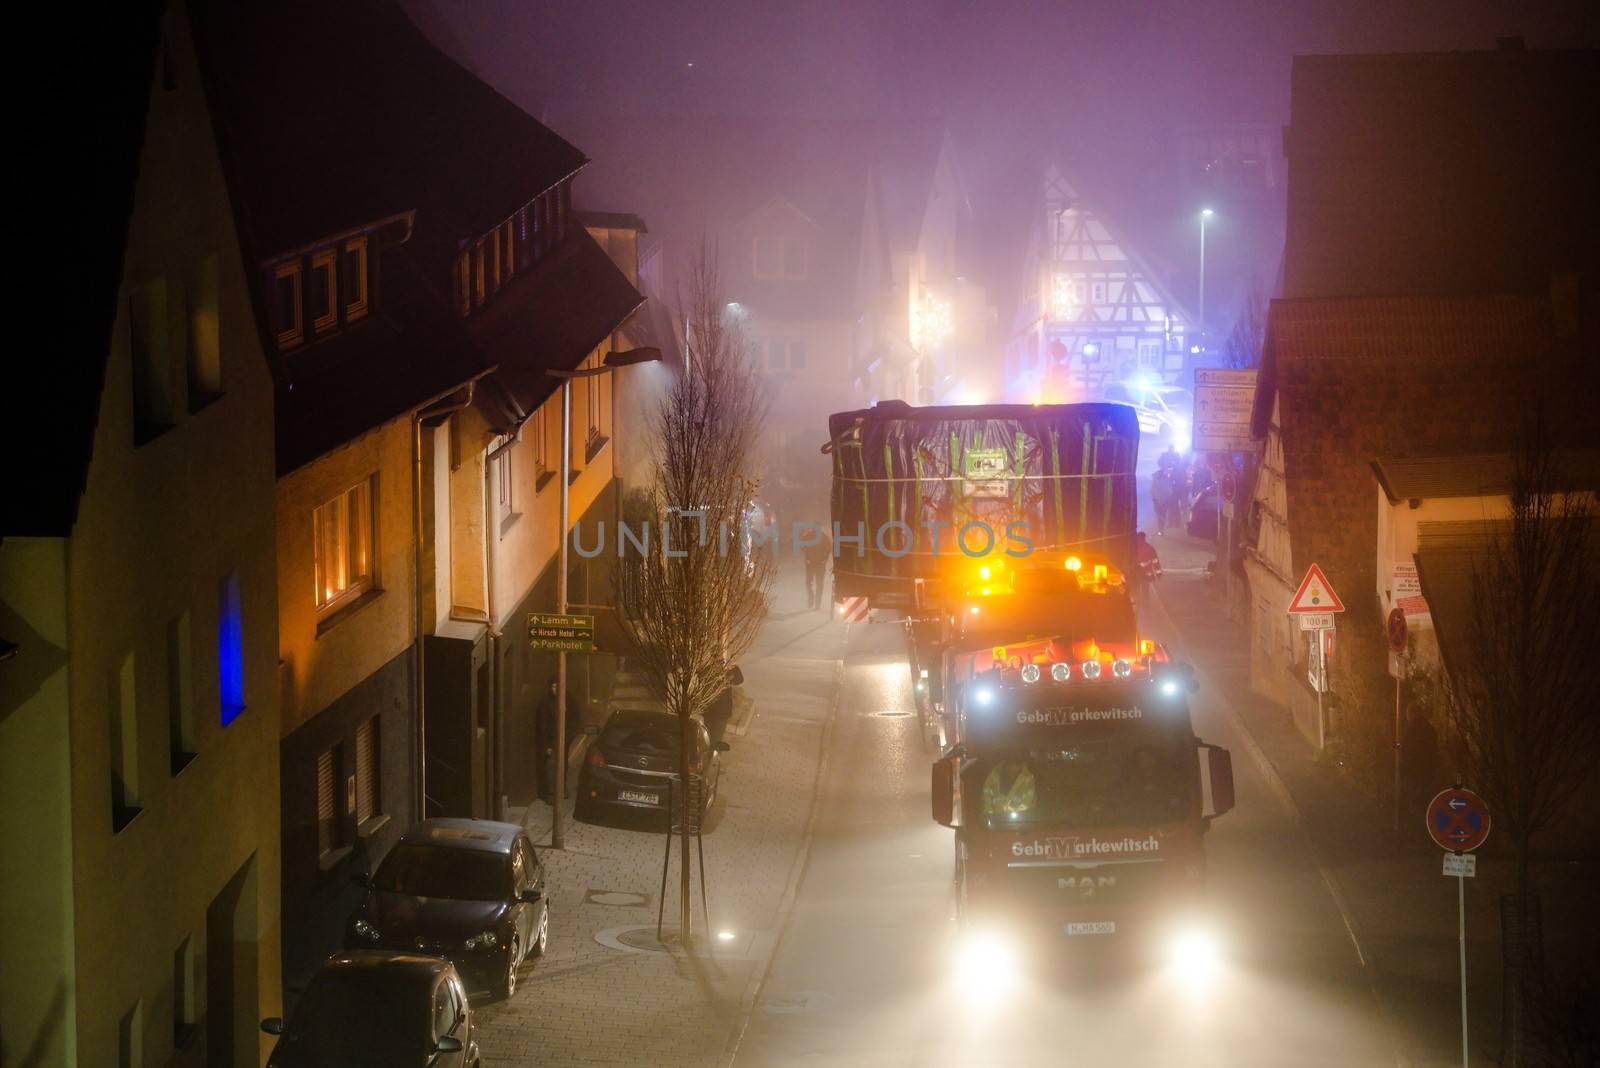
[596, 997]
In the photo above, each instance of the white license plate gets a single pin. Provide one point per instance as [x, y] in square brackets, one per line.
[1098, 927]
[639, 797]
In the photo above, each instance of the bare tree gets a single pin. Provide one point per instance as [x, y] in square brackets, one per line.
[694, 600]
[1242, 346]
[1523, 689]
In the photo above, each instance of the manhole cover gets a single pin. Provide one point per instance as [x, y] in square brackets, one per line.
[892, 713]
[643, 938]
[617, 898]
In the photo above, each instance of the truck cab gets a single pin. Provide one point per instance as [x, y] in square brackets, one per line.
[1080, 797]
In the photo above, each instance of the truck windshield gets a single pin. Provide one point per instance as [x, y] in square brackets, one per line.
[1093, 783]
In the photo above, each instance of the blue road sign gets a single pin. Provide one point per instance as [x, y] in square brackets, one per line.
[1458, 820]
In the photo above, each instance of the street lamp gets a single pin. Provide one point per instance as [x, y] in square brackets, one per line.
[1205, 213]
[612, 361]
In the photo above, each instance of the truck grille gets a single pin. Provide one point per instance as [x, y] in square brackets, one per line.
[1058, 883]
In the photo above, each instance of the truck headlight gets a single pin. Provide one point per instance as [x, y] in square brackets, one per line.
[987, 963]
[1195, 955]
[366, 930]
[483, 940]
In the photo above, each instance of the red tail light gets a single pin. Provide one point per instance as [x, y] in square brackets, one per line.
[597, 759]
[694, 769]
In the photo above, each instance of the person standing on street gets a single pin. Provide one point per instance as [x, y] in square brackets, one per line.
[817, 569]
[1162, 491]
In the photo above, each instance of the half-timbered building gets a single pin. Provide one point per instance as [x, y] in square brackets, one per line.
[1092, 310]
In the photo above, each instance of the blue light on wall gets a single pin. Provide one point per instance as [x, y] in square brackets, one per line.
[230, 648]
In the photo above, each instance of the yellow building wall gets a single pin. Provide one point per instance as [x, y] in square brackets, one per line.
[38, 994]
[319, 668]
[158, 529]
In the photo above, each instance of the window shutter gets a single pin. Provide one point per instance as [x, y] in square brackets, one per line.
[366, 770]
[327, 818]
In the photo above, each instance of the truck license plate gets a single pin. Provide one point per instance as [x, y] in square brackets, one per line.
[1098, 927]
[638, 797]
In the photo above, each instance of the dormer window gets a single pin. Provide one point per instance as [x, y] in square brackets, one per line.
[491, 260]
[328, 288]
[353, 281]
[287, 321]
[324, 291]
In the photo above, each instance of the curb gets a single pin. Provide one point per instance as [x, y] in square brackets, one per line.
[1280, 790]
[797, 870]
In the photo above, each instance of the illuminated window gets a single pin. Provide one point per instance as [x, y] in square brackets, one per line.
[479, 281]
[506, 496]
[355, 279]
[1149, 352]
[508, 250]
[205, 342]
[592, 397]
[538, 437]
[230, 648]
[287, 321]
[1097, 293]
[324, 291]
[342, 531]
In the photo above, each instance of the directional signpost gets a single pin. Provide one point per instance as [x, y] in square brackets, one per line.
[1222, 403]
[1316, 603]
[1458, 822]
[561, 633]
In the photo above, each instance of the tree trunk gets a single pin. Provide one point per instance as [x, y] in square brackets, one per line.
[685, 904]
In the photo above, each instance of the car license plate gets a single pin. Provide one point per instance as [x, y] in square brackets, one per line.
[1098, 927]
[638, 797]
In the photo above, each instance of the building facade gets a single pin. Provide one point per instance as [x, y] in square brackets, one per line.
[1092, 311]
[139, 709]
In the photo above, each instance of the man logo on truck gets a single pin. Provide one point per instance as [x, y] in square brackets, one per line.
[1086, 885]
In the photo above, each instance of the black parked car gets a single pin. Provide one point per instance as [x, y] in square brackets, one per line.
[472, 891]
[380, 1009]
[633, 757]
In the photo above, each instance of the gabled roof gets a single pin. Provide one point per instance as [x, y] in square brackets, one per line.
[338, 112]
[330, 116]
[91, 180]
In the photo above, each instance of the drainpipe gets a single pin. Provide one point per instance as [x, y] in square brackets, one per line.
[419, 688]
[497, 710]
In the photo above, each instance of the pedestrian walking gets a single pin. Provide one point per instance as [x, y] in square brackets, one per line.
[817, 557]
[1163, 493]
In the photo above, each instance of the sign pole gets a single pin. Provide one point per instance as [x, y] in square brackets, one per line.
[1397, 755]
[558, 823]
[1461, 918]
[1458, 821]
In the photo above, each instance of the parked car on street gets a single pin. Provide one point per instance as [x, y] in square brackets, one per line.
[472, 891]
[632, 759]
[1165, 412]
[380, 1009]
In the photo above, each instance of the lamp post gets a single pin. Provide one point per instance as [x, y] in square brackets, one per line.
[1205, 213]
[613, 360]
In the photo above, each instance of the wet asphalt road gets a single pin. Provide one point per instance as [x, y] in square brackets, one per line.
[865, 970]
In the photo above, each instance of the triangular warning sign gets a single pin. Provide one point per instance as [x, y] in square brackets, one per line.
[1315, 594]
